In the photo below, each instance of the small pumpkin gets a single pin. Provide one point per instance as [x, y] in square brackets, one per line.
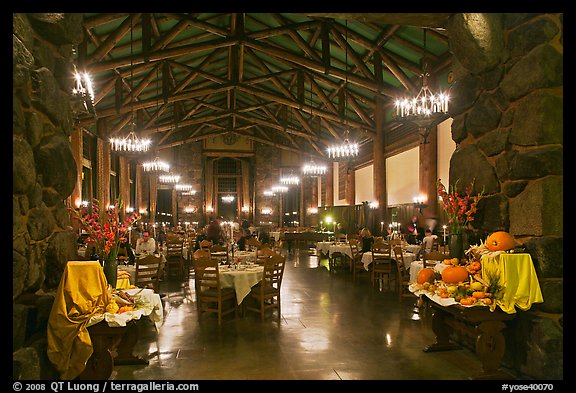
[425, 275]
[500, 241]
[454, 274]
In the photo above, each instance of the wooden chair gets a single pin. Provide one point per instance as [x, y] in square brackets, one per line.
[147, 274]
[174, 257]
[263, 253]
[427, 257]
[342, 237]
[210, 297]
[382, 264]
[252, 244]
[356, 264]
[402, 275]
[206, 244]
[220, 253]
[266, 294]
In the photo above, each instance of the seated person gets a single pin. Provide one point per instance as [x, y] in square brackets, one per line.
[366, 240]
[428, 241]
[145, 245]
[242, 241]
[126, 251]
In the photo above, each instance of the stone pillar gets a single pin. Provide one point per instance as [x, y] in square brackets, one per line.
[153, 197]
[350, 184]
[379, 165]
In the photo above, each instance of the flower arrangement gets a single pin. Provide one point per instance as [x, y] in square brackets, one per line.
[460, 208]
[106, 229]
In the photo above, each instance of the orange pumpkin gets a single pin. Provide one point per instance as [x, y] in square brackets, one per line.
[500, 241]
[454, 274]
[425, 275]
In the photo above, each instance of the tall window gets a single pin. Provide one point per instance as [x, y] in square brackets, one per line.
[89, 178]
[228, 172]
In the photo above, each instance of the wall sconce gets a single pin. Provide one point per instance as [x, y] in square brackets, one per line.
[209, 209]
[420, 203]
[189, 209]
[228, 198]
[312, 210]
[374, 205]
[266, 211]
[245, 209]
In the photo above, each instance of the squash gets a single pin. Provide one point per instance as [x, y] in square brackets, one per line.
[500, 241]
[454, 274]
[425, 275]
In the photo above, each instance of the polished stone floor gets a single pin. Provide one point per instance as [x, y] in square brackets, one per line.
[331, 329]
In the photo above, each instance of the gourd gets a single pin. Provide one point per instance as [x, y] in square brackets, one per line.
[425, 275]
[112, 307]
[500, 241]
[454, 274]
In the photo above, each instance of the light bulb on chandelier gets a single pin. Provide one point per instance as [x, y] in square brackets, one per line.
[169, 178]
[155, 166]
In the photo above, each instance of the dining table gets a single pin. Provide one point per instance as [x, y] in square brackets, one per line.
[241, 277]
[416, 266]
[409, 258]
[329, 248]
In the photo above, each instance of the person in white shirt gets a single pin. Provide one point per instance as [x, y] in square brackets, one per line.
[145, 244]
[428, 241]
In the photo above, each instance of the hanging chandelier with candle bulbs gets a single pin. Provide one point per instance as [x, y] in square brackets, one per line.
[312, 169]
[290, 180]
[170, 179]
[425, 109]
[155, 166]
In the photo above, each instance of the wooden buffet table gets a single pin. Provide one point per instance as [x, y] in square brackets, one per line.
[483, 323]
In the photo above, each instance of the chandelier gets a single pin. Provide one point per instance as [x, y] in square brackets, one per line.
[228, 198]
[169, 178]
[346, 149]
[426, 108]
[130, 143]
[84, 90]
[290, 180]
[278, 189]
[155, 166]
[183, 187]
[311, 169]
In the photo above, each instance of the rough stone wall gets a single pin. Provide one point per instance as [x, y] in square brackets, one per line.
[44, 173]
[507, 105]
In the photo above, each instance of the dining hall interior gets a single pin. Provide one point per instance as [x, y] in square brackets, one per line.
[265, 158]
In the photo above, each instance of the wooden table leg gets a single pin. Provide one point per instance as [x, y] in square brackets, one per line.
[126, 345]
[442, 331]
[490, 348]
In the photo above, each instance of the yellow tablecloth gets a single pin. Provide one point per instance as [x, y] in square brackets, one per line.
[81, 294]
[518, 276]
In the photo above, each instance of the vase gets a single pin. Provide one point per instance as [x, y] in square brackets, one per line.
[111, 270]
[456, 246]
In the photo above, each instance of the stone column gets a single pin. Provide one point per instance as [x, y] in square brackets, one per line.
[350, 184]
[153, 198]
[124, 191]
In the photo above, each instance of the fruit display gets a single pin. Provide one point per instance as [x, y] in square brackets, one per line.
[500, 241]
[454, 274]
[121, 302]
[425, 275]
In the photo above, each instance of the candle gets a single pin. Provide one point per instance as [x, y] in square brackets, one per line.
[382, 226]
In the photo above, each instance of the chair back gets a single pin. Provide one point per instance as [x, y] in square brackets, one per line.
[147, 272]
[399, 257]
[342, 237]
[199, 253]
[207, 275]
[206, 244]
[428, 257]
[264, 253]
[273, 272]
[174, 246]
[395, 242]
[354, 250]
[381, 251]
[252, 244]
[219, 252]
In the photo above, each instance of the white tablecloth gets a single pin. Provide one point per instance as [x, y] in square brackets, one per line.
[408, 259]
[275, 236]
[151, 306]
[241, 280]
[328, 248]
[416, 266]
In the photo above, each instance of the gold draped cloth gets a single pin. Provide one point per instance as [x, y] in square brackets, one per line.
[82, 293]
[519, 278]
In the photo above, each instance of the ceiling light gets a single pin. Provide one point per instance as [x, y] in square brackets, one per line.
[155, 166]
[169, 178]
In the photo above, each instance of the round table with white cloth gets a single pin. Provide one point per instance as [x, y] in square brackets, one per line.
[242, 280]
[408, 259]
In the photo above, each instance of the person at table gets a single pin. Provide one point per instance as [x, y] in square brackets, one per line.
[415, 233]
[215, 233]
[366, 240]
[125, 250]
[146, 244]
[242, 240]
[428, 241]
